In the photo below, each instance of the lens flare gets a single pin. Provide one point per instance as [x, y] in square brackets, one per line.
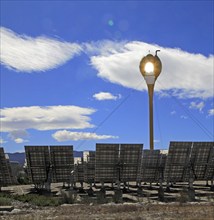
[110, 22]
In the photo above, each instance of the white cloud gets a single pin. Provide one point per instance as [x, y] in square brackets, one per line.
[104, 47]
[183, 117]
[211, 112]
[173, 112]
[18, 136]
[65, 135]
[156, 141]
[27, 54]
[187, 75]
[106, 96]
[2, 141]
[184, 74]
[20, 140]
[45, 118]
[195, 105]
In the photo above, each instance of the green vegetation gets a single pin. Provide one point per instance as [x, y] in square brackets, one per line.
[38, 200]
[33, 199]
[23, 179]
[5, 201]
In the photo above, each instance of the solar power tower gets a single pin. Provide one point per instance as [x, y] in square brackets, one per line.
[177, 162]
[62, 161]
[38, 166]
[5, 170]
[150, 166]
[130, 161]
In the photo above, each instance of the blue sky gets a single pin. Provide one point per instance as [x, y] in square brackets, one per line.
[70, 72]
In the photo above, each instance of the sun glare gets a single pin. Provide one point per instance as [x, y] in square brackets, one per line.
[149, 68]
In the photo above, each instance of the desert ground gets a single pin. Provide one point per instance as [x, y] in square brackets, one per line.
[176, 204]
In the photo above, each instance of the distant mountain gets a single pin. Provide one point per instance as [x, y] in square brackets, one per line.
[20, 157]
[78, 154]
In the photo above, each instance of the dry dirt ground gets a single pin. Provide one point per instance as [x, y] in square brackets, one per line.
[133, 207]
[127, 211]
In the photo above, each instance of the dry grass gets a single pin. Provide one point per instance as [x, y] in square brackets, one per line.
[123, 212]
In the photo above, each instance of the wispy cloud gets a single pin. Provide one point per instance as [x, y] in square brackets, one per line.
[156, 141]
[27, 54]
[183, 117]
[19, 136]
[195, 105]
[20, 140]
[187, 75]
[2, 141]
[44, 118]
[103, 47]
[65, 135]
[106, 96]
[173, 112]
[184, 74]
[211, 112]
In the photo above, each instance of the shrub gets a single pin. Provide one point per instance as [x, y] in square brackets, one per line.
[183, 198]
[68, 197]
[5, 201]
[38, 200]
